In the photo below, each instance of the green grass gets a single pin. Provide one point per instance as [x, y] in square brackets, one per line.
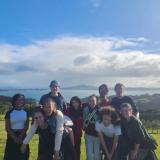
[34, 144]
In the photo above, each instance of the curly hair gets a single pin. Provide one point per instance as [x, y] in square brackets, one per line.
[111, 112]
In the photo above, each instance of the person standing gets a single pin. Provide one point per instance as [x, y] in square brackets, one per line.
[90, 117]
[75, 113]
[121, 98]
[116, 102]
[55, 95]
[16, 124]
[104, 101]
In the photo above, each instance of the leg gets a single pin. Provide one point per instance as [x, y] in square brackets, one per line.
[96, 148]
[122, 149]
[89, 147]
[78, 149]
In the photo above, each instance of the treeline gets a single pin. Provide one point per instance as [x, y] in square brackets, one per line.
[149, 105]
[5, 104]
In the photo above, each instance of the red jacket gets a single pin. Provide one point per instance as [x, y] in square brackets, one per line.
[77, 118]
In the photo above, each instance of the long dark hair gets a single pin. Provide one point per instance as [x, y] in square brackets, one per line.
[77, 99]
[15, 97]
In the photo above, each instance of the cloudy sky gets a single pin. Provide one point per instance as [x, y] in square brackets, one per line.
[79, 42]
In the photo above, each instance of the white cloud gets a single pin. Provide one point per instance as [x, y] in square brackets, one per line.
[77, 60]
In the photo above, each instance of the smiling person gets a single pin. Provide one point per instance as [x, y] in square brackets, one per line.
[141, 144]
[55, 120]
[46, 136]
[16, 124]
[90, 116]
[116, 102]
[75, 113]
[56, 96]
[103, 93]
[109, 131]
[121, 98]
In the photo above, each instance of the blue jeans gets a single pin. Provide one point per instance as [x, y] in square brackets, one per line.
[92, 147]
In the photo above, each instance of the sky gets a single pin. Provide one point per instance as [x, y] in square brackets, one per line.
[79, 42]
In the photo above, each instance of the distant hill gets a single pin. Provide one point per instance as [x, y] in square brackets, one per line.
[81, 87]
[78, 87]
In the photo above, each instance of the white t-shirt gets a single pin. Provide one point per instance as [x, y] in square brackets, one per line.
[17, 118]
[109, 131]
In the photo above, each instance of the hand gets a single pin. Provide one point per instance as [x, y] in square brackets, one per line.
[23, 148]
[133, 154]
[109, 156]
[18, 140]
[56, 155]
[20, 136]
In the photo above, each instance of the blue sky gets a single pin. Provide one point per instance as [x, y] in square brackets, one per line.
[22, 21]
[97, 30]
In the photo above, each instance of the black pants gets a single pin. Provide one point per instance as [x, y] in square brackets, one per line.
[12, 150]
[78, 149]
[122, 149]
[67, 148]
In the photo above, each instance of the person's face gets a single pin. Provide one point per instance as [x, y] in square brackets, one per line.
[103, 91]
[49, 108]
[39, 118]
[54, 89]
[126, 112]
[75, 104]
[19, 102]
[119, 90]
[106, 119]
[93, 101]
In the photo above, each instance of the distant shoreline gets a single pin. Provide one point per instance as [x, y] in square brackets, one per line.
[74, 88]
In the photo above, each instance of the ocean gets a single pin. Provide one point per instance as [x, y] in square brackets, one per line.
[68, 93]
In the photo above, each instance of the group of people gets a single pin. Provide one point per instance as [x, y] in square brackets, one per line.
[112, 128]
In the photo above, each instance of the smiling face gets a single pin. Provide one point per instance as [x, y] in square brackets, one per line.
[106, 119]
[126, 112]
[19, 102]
[39, 118]
[55, 89]
[93, 101]
[49, 108]
[103, 91]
